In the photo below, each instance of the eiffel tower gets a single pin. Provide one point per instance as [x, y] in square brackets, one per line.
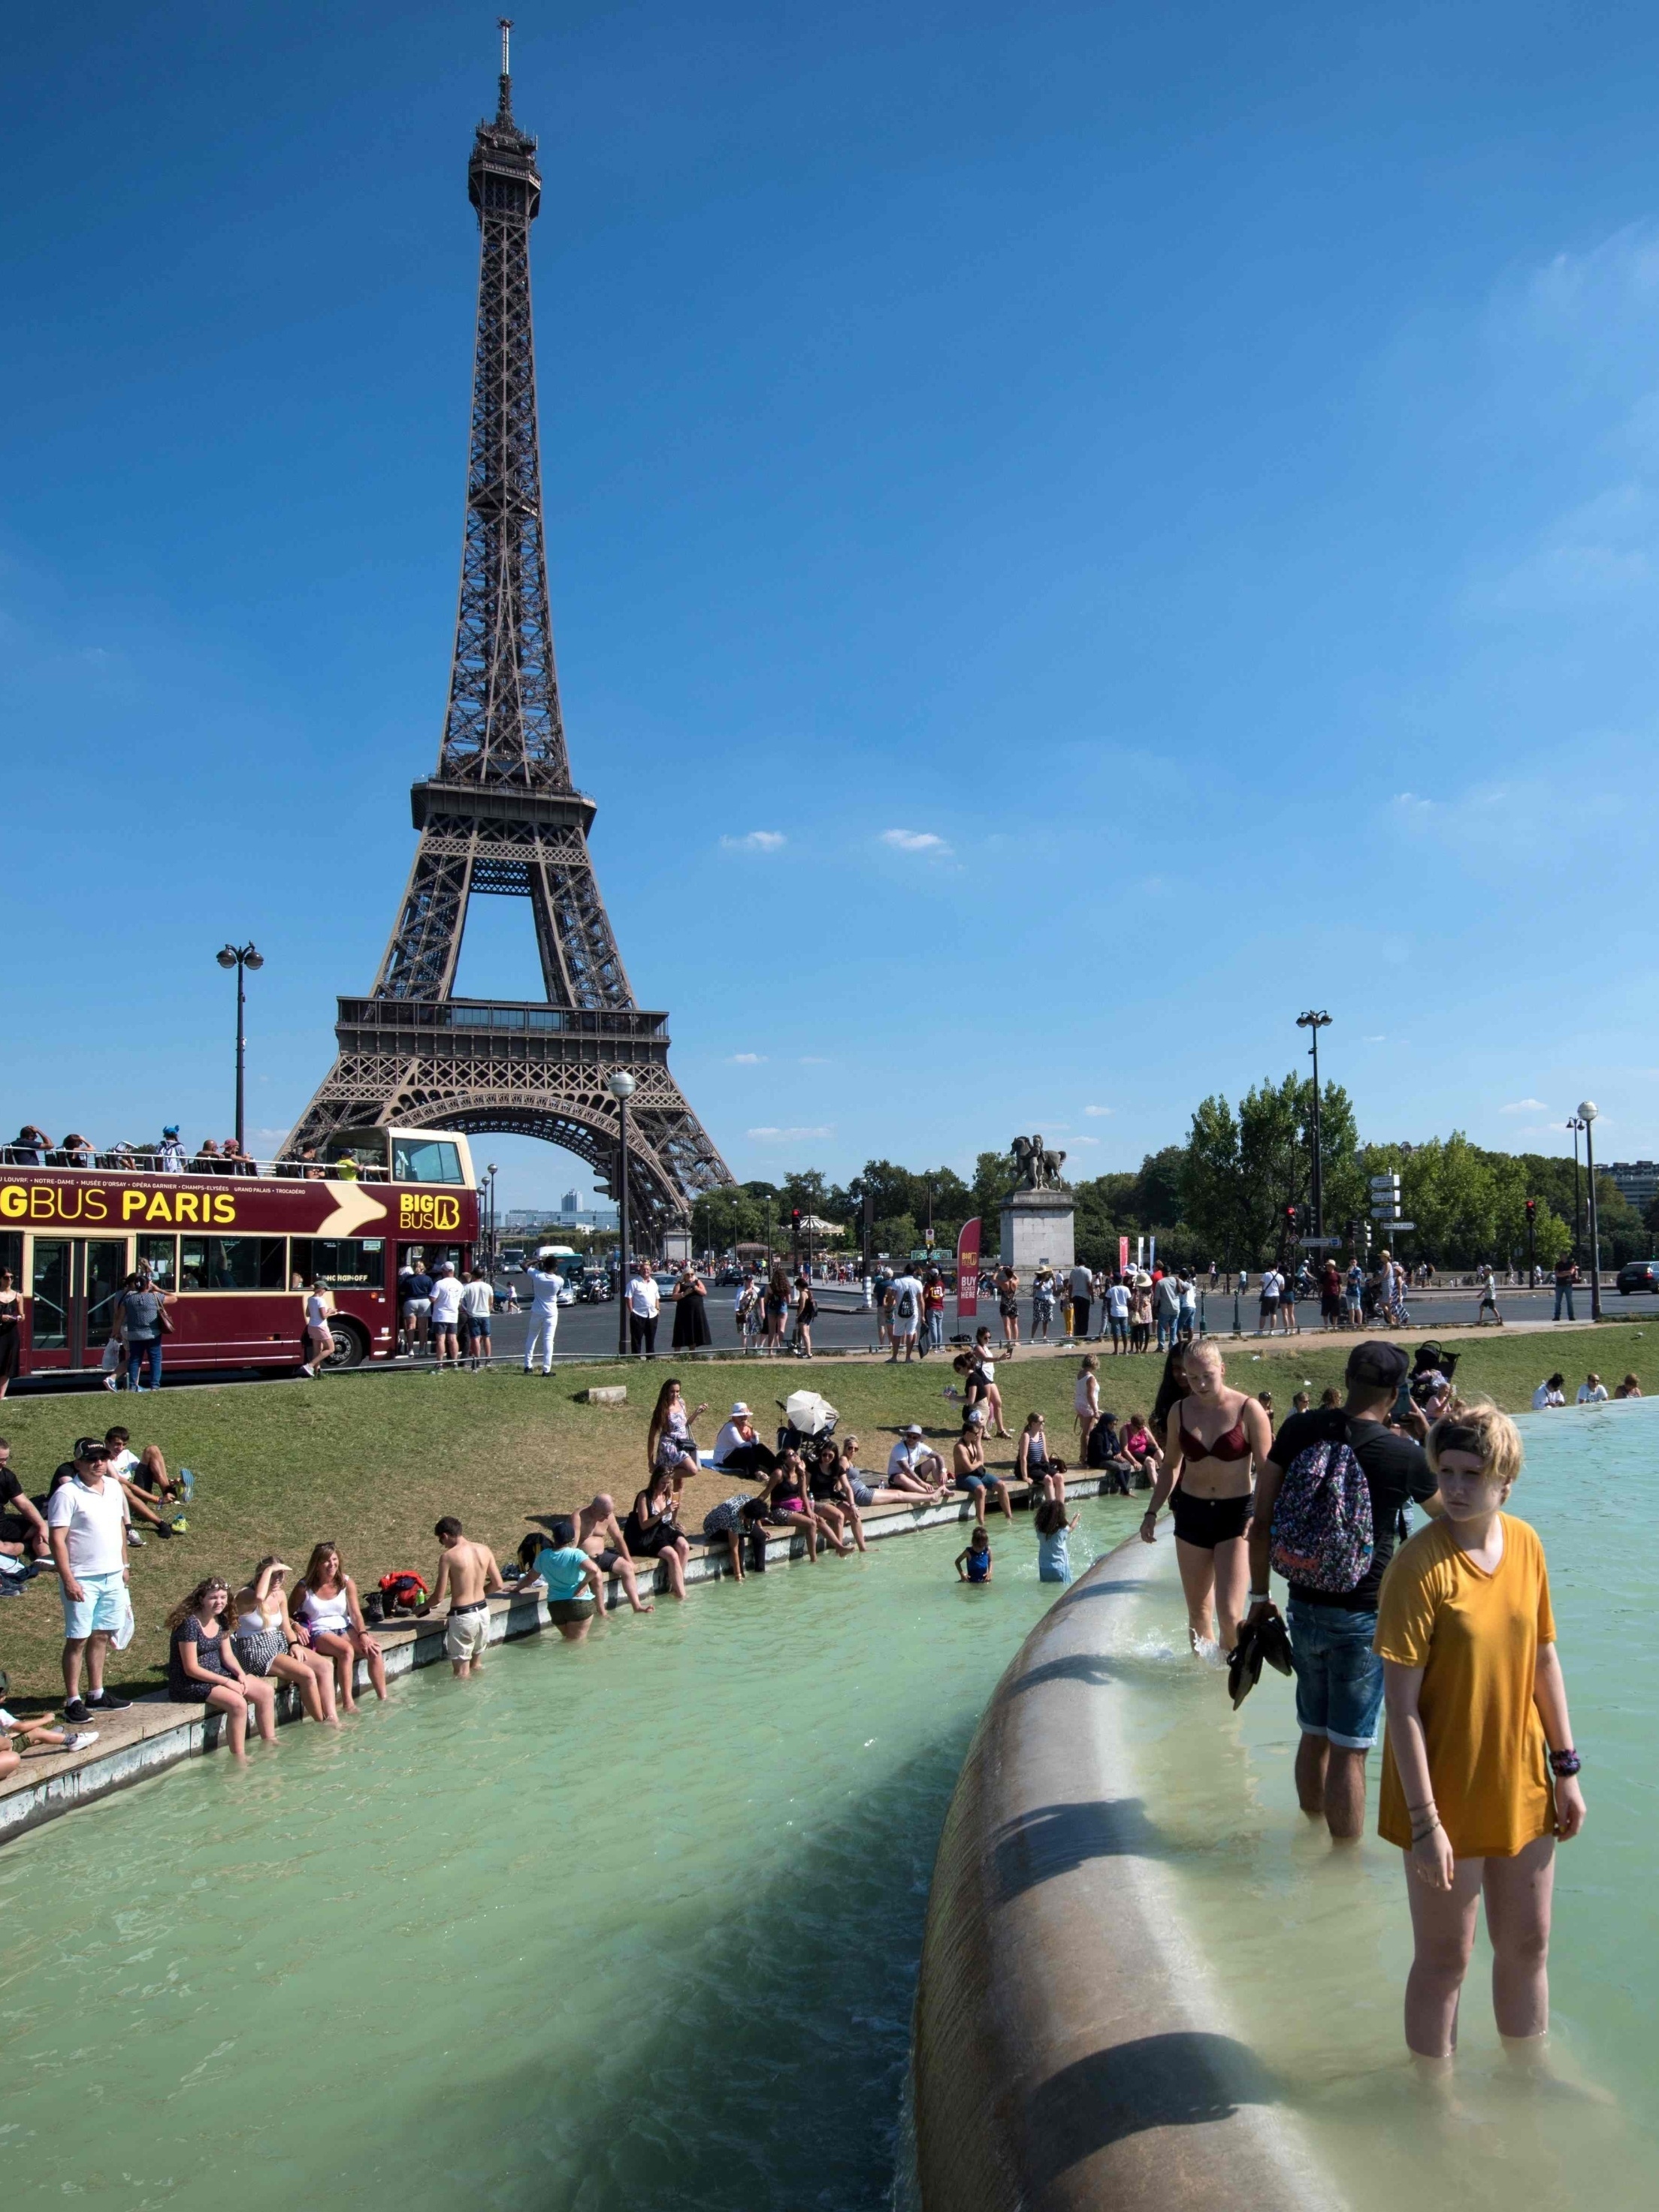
[501, 817]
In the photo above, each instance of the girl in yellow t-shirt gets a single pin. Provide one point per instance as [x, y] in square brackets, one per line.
[1479, 1772]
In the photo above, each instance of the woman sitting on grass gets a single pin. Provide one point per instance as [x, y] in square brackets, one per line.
[268, 1643]
[332, 1623]
[1480, 1776]
[650, 1532]
[670, 1442]
[203, 1670]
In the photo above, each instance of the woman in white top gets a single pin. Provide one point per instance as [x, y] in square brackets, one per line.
[333, 1623]
[267, 1642]
[320, 1338]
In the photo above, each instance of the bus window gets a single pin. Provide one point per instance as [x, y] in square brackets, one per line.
[233, 1263]
[49, 1323]
[161, 1255]
[423, 1159]
[366, 1146]
[345, 1262]
[11, 1254]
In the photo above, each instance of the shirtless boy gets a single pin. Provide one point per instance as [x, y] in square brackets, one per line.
[599, 1533]
[469, 1572]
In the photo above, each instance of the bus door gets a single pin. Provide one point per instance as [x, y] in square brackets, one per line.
[74, 1282]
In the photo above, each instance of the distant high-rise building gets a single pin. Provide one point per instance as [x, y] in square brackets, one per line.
[1639, 1180]
[571, 1202]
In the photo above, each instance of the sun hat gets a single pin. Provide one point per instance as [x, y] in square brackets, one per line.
[915, 1429]
[740, 1412]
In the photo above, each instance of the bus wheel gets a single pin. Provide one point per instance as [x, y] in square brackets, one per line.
[350, 1344]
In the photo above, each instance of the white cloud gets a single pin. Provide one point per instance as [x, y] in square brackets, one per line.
[1096, 1113]
[757, 840]
[788, 1136]
[813, 1059]
[746, 1059]
[914, 841]
[1086, 1141]
[1525, 1106]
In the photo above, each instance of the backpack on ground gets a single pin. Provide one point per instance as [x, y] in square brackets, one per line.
[402, 1591]
[1322, 1535]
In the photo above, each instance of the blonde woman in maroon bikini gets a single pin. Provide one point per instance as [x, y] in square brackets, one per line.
[1215, 1440]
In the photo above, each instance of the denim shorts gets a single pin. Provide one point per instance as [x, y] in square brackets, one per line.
[1339, 1677]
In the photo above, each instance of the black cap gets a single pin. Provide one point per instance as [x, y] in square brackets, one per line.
[1377, 1365]
[91, 1447]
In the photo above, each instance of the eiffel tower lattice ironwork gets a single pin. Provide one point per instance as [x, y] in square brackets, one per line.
[501, 817]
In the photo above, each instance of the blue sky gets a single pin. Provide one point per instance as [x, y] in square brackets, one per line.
[1074, 534]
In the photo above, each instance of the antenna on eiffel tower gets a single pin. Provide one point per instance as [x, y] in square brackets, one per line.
[500, 817]
[504, 106]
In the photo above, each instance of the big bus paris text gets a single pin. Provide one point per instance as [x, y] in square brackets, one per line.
[234, 1255]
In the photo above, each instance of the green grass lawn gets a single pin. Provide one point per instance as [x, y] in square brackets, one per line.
[370, 1462]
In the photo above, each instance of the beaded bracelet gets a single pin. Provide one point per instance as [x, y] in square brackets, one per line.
[1563, 1763]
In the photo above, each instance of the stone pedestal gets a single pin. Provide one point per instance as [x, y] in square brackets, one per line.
[1037, 1226]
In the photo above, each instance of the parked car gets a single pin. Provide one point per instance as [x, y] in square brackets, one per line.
[1638, 1275]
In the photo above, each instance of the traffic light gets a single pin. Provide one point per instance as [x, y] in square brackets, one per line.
[1532, 1210]
[1292, 1220]
[795, 1224]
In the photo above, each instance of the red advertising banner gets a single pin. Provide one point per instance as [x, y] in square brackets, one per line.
[967, 1272]
[1123, 1256]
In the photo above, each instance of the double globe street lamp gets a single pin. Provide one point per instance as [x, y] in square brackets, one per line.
[241, 957]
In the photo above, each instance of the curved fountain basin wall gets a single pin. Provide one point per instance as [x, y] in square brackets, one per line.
[1070, 2050]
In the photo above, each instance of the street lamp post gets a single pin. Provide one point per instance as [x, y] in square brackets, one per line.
[621, 1085]
[1316, 1022]
[493, 1236]
[1587, 1115]
[1575, 1124]
[241, 957]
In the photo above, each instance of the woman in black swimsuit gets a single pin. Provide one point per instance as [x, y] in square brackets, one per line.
[1213, 1437]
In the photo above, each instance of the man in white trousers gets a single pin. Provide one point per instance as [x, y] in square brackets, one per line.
[545, 1285]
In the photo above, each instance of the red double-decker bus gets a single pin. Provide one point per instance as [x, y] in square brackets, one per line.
[234, 1253]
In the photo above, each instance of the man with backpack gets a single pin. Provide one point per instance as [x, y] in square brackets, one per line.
[1330, 1507]
[907, 1315]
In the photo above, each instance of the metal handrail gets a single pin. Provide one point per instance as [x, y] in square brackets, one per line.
[134, 1161]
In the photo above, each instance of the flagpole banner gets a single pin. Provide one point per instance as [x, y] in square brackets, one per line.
[1123, 1256]
[967, 1272]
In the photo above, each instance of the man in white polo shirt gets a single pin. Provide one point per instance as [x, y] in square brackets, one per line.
[87, 1522]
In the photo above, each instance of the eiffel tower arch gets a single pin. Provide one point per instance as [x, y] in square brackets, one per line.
[502, 817]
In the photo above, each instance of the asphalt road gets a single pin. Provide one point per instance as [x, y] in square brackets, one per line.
[590, 1332]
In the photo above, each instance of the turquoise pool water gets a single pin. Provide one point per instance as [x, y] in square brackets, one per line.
[1310, 1946]
[631, 1925]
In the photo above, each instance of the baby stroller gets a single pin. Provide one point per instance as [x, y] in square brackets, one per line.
[807, 1420]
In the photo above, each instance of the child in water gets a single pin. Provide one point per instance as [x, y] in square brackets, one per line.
[977, 1560]
[1480, 1777]
[1053, 1557]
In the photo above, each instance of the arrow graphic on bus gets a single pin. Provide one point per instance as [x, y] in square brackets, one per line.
[355, 1207]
